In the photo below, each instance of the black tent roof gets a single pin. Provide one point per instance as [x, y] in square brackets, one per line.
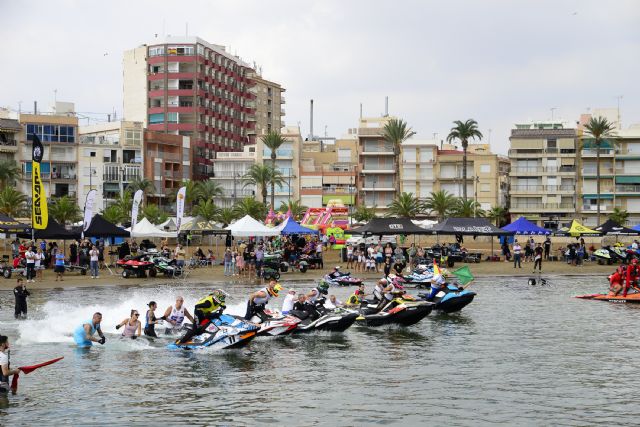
[612, 228]
[100, 227]
[390, 226]
[10, 225]
[469, 227]
[53, 231]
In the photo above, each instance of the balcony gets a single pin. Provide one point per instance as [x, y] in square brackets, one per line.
[604, 171]
[280, 154]
[545, 189]
[592, 152]
[378, 170]
[542, 206]
[9, 146]
[604, 207]
[627, 188]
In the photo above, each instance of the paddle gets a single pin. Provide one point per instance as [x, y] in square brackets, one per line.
[29, 369]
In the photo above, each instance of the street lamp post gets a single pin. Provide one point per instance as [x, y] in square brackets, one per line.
[475, 200]
[375, 181]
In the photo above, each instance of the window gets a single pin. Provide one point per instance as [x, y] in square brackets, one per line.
[51, 133]
[156, 118]
[156, 51]
[485, 168]
[409, 155]
[172, 117]
[344, 155]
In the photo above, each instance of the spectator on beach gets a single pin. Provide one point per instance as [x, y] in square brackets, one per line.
[179, 255]
[59, 265]
[94, 255]
[73, 253]
[517, 250]
[228, 255]
[547, 248]
[39, 264]
[30, 256]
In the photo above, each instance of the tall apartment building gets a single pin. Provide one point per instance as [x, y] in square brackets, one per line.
[10, 130]
[187, 86]
[287, 162]
[109, 158]
[543, 174]
[58, 133]
[329, 172]
[487, 174]
[167, 162]
[229, 169]
[376, 183]
[269, 108]
[418, 160]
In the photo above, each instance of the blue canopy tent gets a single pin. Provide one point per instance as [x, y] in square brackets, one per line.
[637, 227]
[289, 226]
[523, 226]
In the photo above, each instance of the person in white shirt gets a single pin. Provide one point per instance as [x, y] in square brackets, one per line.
[5, 370]
[30, 256]
[94, 256]
[38, 263]
[289, 300]
[517, 249]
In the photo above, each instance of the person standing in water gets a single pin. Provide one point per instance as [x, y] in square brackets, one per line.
[175, 315]
[132, 326]
[83, 335]
[21, 293]
[5, 367]
[151, 321]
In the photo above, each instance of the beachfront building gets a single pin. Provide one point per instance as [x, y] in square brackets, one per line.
[167, 163]
[187, 86]
[58, 132]
[328, 171]
[109, 158]
[377, 180]
[229, 169]
[268, 105]
[418, 159]
[10, 130]
[543, 172]
[487, 174]
[287, 162]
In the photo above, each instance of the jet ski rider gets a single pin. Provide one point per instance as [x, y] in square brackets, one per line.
[437, 284]
[357, 297]
[379, 290]
[259, 299]
[616, 281]
[633, 271]
[336, 273]
[206, 310]
[391, 291]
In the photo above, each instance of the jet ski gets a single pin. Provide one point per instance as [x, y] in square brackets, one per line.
[344, 280]
[400, 310]
[274, 323]
[222, 333]
[418, 279]
[319, 318]
[450, 299]
[630, 298]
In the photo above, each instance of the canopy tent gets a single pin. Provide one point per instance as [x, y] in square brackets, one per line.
[168, 225]
[389, 226]
[200, 225]
[577, 230]
[10, 225]
[612, 228]
[100, 227]
[469, 227]
[424, 223]
[636, 227]
[53, 231]
[290, 226]
[144, 228]
[247, 227]
[524, 226]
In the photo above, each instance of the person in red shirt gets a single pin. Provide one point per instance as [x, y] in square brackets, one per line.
[615, 281]
[631, 280]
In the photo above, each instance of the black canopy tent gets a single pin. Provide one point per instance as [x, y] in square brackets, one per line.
[53, 231]
[10, 225]
[468, 227]
[612, 228]
[100, 227]
[389, 226]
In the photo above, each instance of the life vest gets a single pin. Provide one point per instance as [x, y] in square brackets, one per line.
[353, 300]
[213, 306]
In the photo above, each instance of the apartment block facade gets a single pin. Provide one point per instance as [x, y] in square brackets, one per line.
[377, 174]
[269, 107]
[229, 169]
[10, 131]
[110, 156]
[186, 86]
[544, 172]
[167, 162]
[287, 162]
[417, 171]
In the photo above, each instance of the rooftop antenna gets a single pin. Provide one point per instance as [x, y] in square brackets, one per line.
[386, 106]
[553, 109]
[361, 111]
[311, 121]
[618, 98]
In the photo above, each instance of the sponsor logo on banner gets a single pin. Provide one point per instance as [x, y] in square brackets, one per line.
[39, 211]
[182, 194]
[88, 209]
[135, 207]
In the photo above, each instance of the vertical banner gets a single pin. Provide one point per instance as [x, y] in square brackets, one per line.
[182, 193]
[135, 206]
[39, 212]
[88, 210]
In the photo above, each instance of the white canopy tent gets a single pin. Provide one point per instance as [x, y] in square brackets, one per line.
[144, 228]
[247, 227]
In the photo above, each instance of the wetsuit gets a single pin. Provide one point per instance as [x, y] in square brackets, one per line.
[21, 293]
[149, 326]
[204, 312]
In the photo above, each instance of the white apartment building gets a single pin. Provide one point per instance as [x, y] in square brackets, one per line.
[416, 170]
[109, 157]
[228, 170]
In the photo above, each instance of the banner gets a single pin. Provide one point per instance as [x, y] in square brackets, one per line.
[39, 212]
[135, 206]
[182, 193]
[88, 209]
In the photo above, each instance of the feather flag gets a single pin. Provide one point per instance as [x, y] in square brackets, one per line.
[39, 211]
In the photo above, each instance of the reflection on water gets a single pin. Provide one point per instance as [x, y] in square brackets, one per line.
[518, 354]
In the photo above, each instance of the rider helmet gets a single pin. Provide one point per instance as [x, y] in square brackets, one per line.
[219, 297]
[275, 290]
[323, 287]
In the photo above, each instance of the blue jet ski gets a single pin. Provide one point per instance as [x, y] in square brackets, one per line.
[450, 299]
[222, 333]
[418, 280]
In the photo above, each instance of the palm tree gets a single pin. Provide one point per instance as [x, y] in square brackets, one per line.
[226, 216]
[113, 214]
[12, 202]
[252, 207]
[144, 184]
[467, 208]
[441, 202]
[296, 208]
[121, 208]
[206, 209]
[261, 176]
[154, 214]
[464, 131]
[497, 214]
[64, 210]
[207, 190]
[599, 128]
[9, 172]
[405, 205]
[191, 188]
[619, 216]
[273, 140]
[364, 214]
[396, 131]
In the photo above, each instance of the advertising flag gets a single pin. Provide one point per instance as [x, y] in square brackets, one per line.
[135, 207]
[39, 212]
[182, 193]
[88, 209]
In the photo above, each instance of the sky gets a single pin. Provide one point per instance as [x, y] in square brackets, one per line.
[498, 62]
